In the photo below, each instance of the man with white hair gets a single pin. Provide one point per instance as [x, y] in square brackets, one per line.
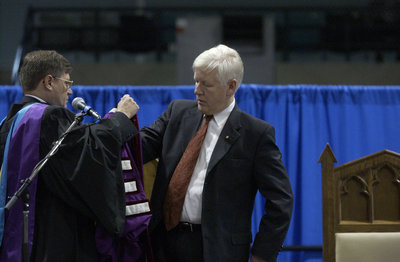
[207, 178]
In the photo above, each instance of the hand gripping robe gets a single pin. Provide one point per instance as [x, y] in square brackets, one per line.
[80, 187]
[133, 245]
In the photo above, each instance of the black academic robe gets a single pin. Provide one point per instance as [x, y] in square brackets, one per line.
[79, 187]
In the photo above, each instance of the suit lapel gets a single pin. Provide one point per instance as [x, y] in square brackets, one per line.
[190, 124]
[229, 135]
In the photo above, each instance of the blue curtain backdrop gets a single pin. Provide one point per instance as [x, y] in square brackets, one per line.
[354, 120]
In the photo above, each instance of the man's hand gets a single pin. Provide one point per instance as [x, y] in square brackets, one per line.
[127, 106]
[256, 259]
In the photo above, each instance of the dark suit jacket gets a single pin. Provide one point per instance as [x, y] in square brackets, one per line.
[245, 159]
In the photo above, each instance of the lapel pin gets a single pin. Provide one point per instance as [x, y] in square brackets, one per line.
[227, 137]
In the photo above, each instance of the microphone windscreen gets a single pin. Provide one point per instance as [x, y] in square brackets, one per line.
[78, 103]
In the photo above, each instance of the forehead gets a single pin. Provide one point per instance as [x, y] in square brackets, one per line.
[201, 75]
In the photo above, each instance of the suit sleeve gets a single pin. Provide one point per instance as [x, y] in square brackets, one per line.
[273, 183]
[152, 136]
[86, 171]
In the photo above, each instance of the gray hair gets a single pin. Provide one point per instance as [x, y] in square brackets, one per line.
[226, 60]
[38, 64]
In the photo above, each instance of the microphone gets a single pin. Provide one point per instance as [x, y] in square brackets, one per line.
[79, 104]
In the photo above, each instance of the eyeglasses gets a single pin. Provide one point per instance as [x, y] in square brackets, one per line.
[67, 82]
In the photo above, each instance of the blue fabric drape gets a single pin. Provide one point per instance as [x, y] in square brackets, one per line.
[355, 121]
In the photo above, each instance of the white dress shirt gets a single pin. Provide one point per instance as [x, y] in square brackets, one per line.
[192, 205]
[38, 98]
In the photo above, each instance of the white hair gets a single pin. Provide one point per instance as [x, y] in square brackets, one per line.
[226, 60]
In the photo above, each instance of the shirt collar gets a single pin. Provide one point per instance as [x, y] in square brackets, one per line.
[37, 98]
[221, 117]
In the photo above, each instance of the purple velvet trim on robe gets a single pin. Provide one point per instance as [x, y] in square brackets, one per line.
[23, 155]
[131, 245]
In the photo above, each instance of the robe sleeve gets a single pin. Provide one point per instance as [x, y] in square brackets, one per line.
[86, 171]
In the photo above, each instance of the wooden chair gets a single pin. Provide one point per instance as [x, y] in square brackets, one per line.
[361, 208]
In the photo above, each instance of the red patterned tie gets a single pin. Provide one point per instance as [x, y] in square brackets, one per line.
[179, 183]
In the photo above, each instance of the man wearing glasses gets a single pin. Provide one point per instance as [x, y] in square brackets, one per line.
[80, 187]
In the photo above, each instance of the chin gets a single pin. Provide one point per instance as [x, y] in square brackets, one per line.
[202, 109]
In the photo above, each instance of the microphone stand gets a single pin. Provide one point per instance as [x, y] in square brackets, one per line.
[23, 193]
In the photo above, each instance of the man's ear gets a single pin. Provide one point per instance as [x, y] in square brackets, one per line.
[232, 86]
[48, 82]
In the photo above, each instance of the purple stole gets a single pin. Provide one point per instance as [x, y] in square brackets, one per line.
[132, 244]
[21, 154]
